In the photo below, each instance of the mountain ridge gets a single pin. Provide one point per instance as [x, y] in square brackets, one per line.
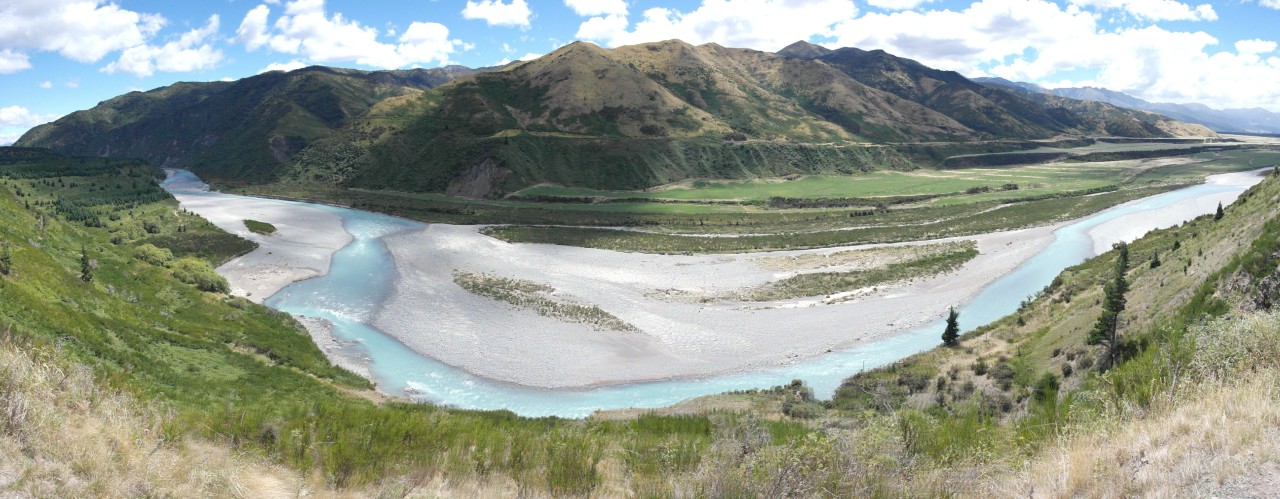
[623, 118]
[1244, 120]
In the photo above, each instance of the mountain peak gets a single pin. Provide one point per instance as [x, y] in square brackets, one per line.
[804, 50]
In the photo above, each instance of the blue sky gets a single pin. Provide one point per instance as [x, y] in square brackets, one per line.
[58, 56]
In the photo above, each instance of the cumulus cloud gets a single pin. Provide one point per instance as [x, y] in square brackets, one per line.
[15, 120]
[1043, 42]
[19, 116]
[305, 29]
[498, 12]
[12, 61]
[46, 84]
[1255, 47]
[600, 7]
[252, 32]
[1156, 10]
[284, 66]
[192, 51]
[761, 24]
[1270, 4]
[80, 30]
[897, 4]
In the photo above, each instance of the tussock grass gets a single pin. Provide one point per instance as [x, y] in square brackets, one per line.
[63, 434]
[1212, 434]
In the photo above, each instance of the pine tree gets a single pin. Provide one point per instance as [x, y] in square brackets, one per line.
[1106, 331]
[86, 268]
[1155, 260]
[1218, 215]
[951, 335]
[6, 260]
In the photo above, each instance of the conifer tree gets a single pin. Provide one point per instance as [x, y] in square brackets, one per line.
[6, 260]
[951, 335]
[1218, 215]
[1106, 331]
[86, 268]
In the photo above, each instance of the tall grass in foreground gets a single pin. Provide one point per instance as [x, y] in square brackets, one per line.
[62, 434]
[1211, 432]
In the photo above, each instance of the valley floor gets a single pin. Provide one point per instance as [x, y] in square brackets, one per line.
[564, 317]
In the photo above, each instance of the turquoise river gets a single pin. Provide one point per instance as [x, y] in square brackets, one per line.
[361, 274]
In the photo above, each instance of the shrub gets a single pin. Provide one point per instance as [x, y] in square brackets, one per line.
[198, 273]
[1228, 345]
[151, 254]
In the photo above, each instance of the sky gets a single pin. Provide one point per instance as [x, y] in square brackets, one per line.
[59, 56]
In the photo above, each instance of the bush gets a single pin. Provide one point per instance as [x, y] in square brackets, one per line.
[198, 273]
[1228, 345]
[151, 254]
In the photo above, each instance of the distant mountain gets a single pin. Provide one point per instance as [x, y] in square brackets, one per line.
[622, 118]
[1255, 120]
[242, 130]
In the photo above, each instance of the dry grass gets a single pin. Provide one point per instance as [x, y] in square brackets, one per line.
[62, 434]
[1214, 441]
[1218, 435]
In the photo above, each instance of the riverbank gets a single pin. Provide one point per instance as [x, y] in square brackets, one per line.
[1134, 226]
[301, 248]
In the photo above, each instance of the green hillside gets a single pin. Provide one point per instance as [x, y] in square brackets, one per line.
[242, 131]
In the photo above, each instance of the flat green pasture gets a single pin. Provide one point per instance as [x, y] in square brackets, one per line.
[952, 185]
[869, 185]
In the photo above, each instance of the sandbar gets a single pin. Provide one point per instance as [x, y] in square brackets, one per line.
[302, 247]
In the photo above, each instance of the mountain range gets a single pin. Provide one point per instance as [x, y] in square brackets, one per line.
[1252, 120]
[624, 118]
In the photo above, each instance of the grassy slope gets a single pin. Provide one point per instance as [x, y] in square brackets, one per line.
[243, 377]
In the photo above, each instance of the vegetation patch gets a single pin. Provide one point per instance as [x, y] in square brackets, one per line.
[928, 262]
[914, 225]
[537, 297]
[257, 227]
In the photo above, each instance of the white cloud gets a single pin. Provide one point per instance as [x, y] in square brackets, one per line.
[190, 52]
[46, 84]
[73, 83]
[12, 61]
[498, 12]
[425, 42]
[1042, 42]
[284, 66]
[760, 24]
[80, 30]
[898, 4]
[1255, 47]
[600, 7]
[16, 120]
[529, 56]
[307, 30]
[1155, 10]
[986, 32]
[18, 116]
[1270, 4]
[253, 29]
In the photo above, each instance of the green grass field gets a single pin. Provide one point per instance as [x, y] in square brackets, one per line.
[953, 185]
